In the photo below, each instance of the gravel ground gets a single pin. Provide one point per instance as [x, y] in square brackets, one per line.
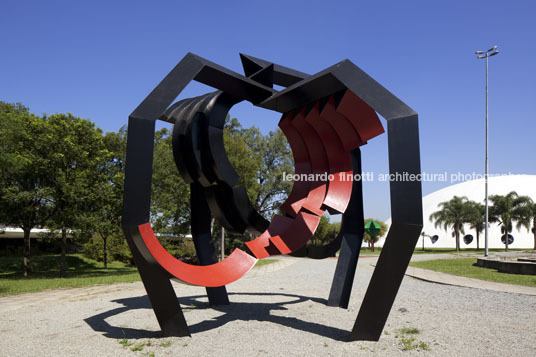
[276, 311]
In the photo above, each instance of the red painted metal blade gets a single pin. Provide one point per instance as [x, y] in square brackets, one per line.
[222, 273]
[363, 118]
[302, 166]
[340, 164]
[319, 163]
[261, 246]
[344, 128]
[297, 235]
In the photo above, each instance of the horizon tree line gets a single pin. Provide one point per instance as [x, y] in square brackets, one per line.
[63, 173]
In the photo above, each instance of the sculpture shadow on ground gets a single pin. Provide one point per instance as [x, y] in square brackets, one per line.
[236, 311]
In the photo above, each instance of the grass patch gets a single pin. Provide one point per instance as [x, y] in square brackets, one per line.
[463, 250]
[125, 343]
[262, 262]
[409, 330]
[418, 250]
[424, 346]
[467, 267]
[367, 251]
[165, 343]
[45, 274]
[408, 343]
[138, 347]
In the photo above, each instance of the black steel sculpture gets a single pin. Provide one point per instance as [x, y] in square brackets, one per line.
[326, 117]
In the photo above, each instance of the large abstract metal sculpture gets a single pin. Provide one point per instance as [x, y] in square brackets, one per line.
[326, 117]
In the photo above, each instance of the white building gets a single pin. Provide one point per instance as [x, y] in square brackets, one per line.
[13, 232]
[524, 185]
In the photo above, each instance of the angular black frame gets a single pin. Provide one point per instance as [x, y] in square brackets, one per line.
[302, 89]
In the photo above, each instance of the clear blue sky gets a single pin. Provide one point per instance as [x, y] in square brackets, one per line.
[99, 59]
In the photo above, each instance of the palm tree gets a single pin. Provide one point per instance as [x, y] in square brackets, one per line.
[510, 209]
[453, 214]
[533, 218]
[477, 219]
[529, 219]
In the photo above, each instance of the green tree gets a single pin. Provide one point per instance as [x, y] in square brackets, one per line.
[530, 219]
[527, 218]
[509, 209]
[242, 156]
[105, 216]
[25, 178]
[477, 219]
[453, 214]
[325, 232]
[367, 238]
[260, 160]
[274, 158]
[116, 248]
[170, 195]
[77, 157]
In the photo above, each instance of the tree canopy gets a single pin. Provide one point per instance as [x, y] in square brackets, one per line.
[509, 209]
[62, 173]
[26, 181]
[453, 214]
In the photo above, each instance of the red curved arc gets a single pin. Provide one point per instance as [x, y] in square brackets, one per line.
[319, 163]
[285, 235]
[320, 141]
[340, 187]
[335, 150]
[302, 166]
[296, 236]
[222, 273]
[349, 136]
[260, 246]
[363, 118]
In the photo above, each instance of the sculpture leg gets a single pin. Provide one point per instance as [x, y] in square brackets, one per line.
[202, 236]
[352, 230]
[385, 282]
[138, 173]
[406, 214]
[160, 292]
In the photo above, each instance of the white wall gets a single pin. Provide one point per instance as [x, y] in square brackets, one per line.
[524, 185]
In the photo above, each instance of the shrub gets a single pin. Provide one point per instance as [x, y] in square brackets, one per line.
[117, 249]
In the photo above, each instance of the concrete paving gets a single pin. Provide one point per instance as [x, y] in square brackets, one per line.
[277, 310]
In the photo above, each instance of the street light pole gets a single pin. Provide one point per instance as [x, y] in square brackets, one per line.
[486, 54]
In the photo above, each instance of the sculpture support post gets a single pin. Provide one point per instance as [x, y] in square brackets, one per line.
[406, 213]
[202, 237]
[352, 230]
[136, 207]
